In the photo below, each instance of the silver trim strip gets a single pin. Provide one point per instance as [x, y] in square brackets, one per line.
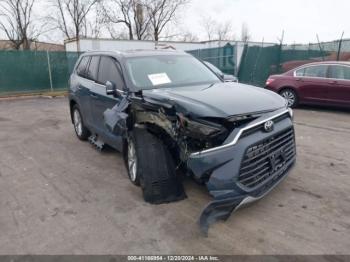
[235, 140]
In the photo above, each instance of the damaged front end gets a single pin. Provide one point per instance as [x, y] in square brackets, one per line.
[249, 164]
[234, 157]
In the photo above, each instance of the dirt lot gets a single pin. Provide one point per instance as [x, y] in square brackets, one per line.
[60, 196]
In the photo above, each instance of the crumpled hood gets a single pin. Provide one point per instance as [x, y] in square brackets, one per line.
[218, 100]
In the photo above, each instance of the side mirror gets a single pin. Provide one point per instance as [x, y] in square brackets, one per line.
[230, 78]
[111, 89]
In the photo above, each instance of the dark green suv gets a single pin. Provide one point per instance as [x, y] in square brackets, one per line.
[171, 115]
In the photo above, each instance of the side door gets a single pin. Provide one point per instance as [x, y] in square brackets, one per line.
[109, 70]
[81, 86]
[313, 84]
[339, 85]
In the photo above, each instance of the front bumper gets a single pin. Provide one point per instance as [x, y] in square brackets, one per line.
[221, 169]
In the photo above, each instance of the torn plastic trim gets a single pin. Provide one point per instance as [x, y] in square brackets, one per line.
[239, 134]
[115, 119]
[217, 210]
[222, 208]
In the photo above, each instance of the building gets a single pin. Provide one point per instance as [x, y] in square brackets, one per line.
[227, 58]
[100, 44]
[35, 45]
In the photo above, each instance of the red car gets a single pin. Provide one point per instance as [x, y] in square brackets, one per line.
[323, 83]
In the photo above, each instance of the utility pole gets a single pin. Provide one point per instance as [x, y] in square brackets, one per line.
[339, 46]
[279, 58]
[319, 45]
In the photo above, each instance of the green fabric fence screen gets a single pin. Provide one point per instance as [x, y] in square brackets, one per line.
[40, 71]
[258, 61]
[223, 58]
[35, 71]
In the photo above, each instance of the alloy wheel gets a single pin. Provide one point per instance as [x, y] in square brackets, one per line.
[132, 161]
[289, 96]
[78, 124]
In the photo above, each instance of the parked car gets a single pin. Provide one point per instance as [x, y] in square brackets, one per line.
[166, 111]
[219, 73]
[323, 83]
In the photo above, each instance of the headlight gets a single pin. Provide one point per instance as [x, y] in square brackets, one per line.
[201, 128]
[291, 113]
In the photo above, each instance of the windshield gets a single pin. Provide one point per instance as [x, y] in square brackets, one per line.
[168, 71]
[214, 68]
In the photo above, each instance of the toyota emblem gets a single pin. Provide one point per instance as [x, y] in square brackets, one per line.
[269, 126]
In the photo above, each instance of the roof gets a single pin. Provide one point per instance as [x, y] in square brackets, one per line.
[136, 53]
[331, 62]
[347, 63]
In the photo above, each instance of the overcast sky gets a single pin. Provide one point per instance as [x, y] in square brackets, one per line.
[301, 19]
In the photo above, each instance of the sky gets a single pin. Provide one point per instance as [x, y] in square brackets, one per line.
[266, 19]
[300, 19]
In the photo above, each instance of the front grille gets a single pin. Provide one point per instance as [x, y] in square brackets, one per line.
[257, 128]
[267, 158]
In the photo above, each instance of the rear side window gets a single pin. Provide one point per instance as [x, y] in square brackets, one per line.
[93, 68]
[81, 69]
[339, 72]
[300, 72]
[110, 71]
[316, 71]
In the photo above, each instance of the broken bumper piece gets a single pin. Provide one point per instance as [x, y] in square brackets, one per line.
[217, 210]
[233, 180]
[222, 207]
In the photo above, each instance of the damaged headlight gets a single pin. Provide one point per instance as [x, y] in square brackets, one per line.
[291, 113]
[202, 128]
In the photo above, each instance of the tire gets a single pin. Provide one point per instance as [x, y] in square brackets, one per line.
[155, 169]
[291, 96]
[80, 129]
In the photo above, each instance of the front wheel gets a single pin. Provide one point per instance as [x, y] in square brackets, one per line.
[151, 166]
[290, 96]
[131, 162]
[79, 127]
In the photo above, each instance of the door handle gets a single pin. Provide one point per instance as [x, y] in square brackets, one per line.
[332, 82]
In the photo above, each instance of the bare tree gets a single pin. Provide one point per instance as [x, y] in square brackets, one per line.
[245, 34]
[119, 12]
[161, 13]
[209, 26]
[141, 19]
[189, 37]
[94, 24]
[71, 16]
[224, 31]
[215, 30]
[16, 22]
[130, 13]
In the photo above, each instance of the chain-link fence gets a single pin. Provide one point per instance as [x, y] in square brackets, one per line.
[35, 71]
[257, 62]
[40, 71]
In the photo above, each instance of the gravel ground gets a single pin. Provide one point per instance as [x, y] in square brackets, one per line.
[60, 196]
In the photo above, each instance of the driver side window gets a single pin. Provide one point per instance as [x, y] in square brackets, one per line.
[109, 71]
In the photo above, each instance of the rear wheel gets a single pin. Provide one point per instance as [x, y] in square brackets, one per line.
[79, 127]
[291, 97]
[151, 166]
